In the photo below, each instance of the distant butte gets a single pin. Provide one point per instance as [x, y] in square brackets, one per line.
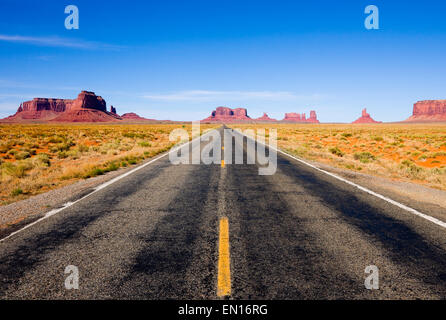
[265, 118]
[428, 111]
[365, 118]
[300, 118]
[228, 115]
[87, 107]
[224, 114]
[133, 117]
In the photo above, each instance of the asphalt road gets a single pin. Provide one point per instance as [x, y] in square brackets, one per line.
[297, 234]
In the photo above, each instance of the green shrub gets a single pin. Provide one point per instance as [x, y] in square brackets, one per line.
[56, 139]
[364, 157]
[411, 167]
[439, 154]
[62, 155]
[336, 151]
[83, 148]
[18, 171]
[113, 166]
[16, 192]
[22, 155]
[407, 163]
[44, 159]
[145, 144]
[94, 172]
[128, 134]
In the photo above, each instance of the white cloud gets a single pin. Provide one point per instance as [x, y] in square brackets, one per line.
[57, 42]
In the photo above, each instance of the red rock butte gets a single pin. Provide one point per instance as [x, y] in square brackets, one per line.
[224, 114]
[265, 118]
[428, 111]
[365, 118]
[300, 118]
[87, 107]
[228, 115]
[133, 117]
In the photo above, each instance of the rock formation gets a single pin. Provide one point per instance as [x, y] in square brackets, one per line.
[300, 118]
[428, 111]
[113, 109]
[224, 114]
[293, 117]
[133, 117]
[87, 107]
[313, 117]
[40, 109]
[365, 118]
[265, 118]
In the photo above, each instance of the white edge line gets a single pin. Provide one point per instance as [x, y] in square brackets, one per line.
[102, 186]
[395, 203]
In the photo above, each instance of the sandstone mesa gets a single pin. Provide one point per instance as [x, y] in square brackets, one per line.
[428, 111]
[133, 117]
[301, 118]
[87, 107]
[228, 115]
[265, 118]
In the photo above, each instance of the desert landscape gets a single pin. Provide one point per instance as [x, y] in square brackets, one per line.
[411, 152]
[49, 143]
[38, 158]
[318, 172]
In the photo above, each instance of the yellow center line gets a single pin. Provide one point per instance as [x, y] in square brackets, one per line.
[224, 271]
[222, 163]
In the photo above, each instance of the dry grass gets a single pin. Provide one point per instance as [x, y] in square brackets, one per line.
[38, 158]
[415, 152]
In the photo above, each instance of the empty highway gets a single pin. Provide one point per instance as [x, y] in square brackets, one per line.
[207, 231]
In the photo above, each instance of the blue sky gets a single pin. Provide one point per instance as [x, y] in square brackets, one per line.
[180, 59]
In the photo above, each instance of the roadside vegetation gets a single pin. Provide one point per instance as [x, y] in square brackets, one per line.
[411, 152]
[38, 158]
